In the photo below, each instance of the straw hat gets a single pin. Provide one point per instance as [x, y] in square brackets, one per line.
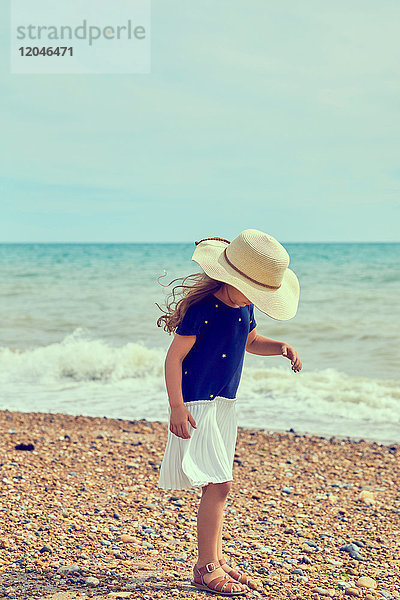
[256, 264]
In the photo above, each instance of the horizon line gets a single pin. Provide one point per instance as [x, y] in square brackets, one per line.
[3, 243]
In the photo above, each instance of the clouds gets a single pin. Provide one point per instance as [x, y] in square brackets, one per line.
[248, 107]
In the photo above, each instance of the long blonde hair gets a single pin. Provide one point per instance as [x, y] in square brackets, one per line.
[189, 291]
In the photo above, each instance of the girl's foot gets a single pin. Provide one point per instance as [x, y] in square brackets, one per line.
[206, 577]
[237, 576]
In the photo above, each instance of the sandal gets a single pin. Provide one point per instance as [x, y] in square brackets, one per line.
[219, 585]
[240, 577]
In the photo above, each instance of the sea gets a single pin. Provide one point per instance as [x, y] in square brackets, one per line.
[79, 336]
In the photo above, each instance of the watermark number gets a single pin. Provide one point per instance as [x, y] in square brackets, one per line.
[50, 51]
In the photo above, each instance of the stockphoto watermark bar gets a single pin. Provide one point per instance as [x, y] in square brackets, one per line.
[80, 36]
[90, 33]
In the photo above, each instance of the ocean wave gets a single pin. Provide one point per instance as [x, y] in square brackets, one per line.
[80, 358]
[327, 392]
[88, 375]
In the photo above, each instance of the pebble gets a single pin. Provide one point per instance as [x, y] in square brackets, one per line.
[342, 585]
[82, 517]
[367, 582]
[264, 549]
[149, 530]
[352, 592]
[289, 531]
[127, 539]
[367, 496]
[69, 569]
[182, 558]
[305, 560]
[26, 447]
[352, 550]
[335, 563]
[323, 591]
[92, 581]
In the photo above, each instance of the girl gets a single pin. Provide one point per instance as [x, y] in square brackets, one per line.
[214, 325]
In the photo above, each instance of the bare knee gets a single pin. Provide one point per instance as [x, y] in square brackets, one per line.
[204, 489]
[222, 489]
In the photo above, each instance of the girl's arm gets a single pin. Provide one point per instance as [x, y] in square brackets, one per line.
[179, 348]
[258, 344]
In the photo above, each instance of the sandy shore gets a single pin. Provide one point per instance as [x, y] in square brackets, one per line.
[81, 515]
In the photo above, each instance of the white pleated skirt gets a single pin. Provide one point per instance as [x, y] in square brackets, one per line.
[207, 457]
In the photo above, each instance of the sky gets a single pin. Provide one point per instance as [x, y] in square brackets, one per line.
[282, 117]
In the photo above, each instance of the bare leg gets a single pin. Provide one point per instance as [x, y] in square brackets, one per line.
[209, 528]
[219, 542]
[219, 537]
[227, 568]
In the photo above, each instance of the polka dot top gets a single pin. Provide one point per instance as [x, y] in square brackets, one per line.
[214, 364]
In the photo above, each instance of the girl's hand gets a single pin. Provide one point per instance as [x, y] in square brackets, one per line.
[292, 355]
[178, 423]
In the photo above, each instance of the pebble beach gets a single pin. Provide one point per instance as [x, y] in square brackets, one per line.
[81, 515]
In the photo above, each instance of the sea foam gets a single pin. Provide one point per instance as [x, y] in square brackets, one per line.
[80, 359]
[80, 375]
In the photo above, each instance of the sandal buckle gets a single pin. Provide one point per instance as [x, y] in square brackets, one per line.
[210, 570]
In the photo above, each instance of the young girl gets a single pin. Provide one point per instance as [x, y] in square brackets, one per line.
[214, 325]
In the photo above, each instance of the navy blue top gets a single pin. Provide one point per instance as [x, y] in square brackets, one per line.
[214, 364]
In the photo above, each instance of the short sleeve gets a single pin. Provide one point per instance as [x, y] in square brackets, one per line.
[191, 322]
[252, 323]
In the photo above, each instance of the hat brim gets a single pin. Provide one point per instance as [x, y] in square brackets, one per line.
[280, 304]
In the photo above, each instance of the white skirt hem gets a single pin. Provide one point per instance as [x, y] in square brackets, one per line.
[193, 484]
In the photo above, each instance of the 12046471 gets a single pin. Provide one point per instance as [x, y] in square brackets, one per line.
[46, 51]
